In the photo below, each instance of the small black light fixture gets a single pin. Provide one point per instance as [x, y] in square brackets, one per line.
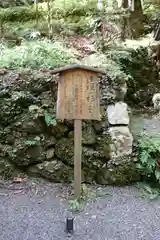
[69, 225]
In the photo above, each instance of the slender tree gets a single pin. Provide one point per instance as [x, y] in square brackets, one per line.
[36, 10]
[136, 19]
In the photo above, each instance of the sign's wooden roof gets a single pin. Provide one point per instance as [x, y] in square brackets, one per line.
[76, 66]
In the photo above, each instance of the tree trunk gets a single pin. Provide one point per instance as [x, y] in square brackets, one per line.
[124, 21]
[132, 25]
[36, 9]
[136, 20]
[49, 17]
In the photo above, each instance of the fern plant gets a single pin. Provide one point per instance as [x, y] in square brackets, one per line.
[50, 121]
[149, 156]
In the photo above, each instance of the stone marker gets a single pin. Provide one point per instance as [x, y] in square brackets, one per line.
[118, 113]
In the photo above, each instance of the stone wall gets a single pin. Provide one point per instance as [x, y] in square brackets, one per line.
[32, 141]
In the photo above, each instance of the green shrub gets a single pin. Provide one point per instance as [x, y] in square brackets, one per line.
[149, 156]
[118, 59]
[36, 54]
[20, 14]
[152, 10]
[65, 8]
[59, 9]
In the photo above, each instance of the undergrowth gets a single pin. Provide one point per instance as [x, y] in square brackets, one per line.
[78, 204]
[149, 157]
[87, 194]
[149, 165]
[36, 54]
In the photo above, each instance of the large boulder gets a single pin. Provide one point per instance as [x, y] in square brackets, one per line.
[27, 152]
[88, 134]
[7, 169]
[55, 171]
[119, 172]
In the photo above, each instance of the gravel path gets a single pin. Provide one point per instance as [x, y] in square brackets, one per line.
[37, 211]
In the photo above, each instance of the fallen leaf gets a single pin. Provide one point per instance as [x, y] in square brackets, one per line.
[18, 192]
[18, 180]
[3, 71]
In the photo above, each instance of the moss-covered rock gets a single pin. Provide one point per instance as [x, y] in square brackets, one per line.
[120, 172]
[50, 153]
[27, 125]
[88, 134]
[103, 146]
[26, 152]
[64, 150]
[50, 141]
[55, 171]
[90, 158]
[9, 111]
[7, 170]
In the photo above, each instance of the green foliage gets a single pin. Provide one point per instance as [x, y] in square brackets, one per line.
[36, 54]
[75, 205]
[118, 57]
[149, 153]
[76, 17]
[64, 8]
[82, 17]
[59, 9]
[148, 191]
[78, 204]
[116, 73]
[137, 65]
[152, 9]
[14, 14]
[33, 142]
[37, 111]
[49, 120]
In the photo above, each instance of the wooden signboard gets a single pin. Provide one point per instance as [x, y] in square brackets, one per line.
[78, 98]
[78, 95]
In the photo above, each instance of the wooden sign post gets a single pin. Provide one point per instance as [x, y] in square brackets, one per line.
[78, 99]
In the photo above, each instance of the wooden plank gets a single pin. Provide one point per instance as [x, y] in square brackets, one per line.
[77, 157]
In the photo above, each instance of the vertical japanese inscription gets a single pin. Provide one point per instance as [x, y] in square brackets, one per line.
[77, 94]
[70, 94]
[74, 97]
[81, 91]
[92, 96]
